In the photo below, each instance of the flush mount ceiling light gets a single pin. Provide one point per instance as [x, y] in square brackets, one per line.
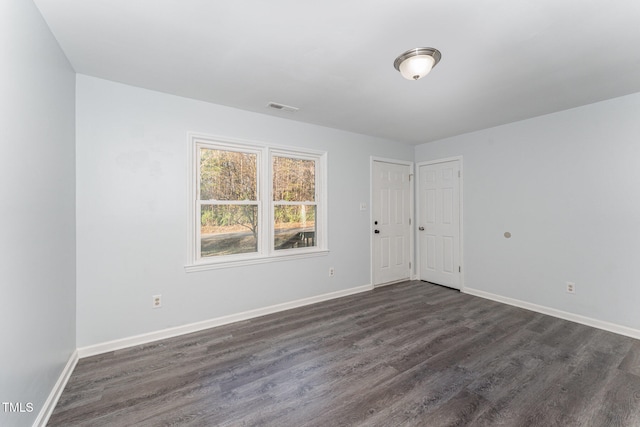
[416, 63]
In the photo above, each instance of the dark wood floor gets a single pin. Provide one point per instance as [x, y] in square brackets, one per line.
[411, 354]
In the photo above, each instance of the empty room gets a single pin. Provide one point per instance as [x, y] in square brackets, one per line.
[340, 213]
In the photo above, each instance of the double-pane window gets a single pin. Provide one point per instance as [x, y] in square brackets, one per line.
[255, 202]
[294, 202]
[229, 204]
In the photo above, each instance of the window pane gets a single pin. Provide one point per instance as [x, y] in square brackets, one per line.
[228, 175]
[294, 180]
[228, 229]
[295, 226]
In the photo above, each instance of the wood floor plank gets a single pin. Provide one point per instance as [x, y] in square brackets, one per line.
[631, 362]
[411, 354]
[620, 405]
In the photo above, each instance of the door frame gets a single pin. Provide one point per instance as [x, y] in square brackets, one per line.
[461, 243]
[412, 229]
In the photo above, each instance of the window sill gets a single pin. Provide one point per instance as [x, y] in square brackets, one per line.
[203, 266]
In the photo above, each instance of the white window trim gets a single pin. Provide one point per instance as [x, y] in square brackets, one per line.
[266, 251]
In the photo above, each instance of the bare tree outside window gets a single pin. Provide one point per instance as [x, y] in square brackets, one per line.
[294, 202]
[229, 202]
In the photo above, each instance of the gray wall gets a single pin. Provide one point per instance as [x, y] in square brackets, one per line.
[132, 200]
[566, 186]
[37, 209]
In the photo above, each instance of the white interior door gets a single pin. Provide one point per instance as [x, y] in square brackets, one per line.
[391, 216]
[439, 223]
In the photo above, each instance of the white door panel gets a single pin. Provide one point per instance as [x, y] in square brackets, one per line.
[391, 207]
[439, 223]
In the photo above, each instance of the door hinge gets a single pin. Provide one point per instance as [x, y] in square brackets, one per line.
[458, 174]
[409, 221]
[459, 269]
[409, 265]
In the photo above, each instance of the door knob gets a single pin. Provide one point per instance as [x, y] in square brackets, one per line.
[421, 228]
[376, 231]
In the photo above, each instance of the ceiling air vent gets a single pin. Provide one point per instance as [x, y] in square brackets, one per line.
[282, 107]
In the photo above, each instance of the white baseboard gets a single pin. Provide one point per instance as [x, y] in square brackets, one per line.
[50, 404]
[106, 347]
[611, 327]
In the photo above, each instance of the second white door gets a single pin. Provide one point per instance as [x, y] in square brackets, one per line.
[439, 223]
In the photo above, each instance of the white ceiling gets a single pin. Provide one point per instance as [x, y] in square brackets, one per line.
[502, 60]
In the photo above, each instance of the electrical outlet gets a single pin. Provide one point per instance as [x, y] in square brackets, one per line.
[157, 301]
[332, 272]
[571, 288]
